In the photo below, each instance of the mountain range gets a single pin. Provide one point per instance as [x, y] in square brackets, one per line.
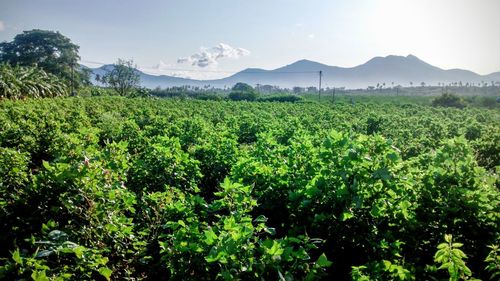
[391, 70]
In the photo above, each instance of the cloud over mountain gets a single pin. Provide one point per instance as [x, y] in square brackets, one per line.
[210, 56]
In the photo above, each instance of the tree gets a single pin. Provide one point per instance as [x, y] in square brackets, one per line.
[49, 50]
[298, 90]
[242, 91]
[122, 77]
[19, 82]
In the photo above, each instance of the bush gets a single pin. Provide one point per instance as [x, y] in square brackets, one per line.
[282, 98]
[209, 96]
[449, 100]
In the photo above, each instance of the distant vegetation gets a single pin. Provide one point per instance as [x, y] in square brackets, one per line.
[122, 78]
[242, 91]
[449, 100]
[281, 98]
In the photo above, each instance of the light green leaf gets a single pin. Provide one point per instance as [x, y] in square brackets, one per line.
[346, 216]
[39, 276]
[17, 257]
[106, 272]
[210, 237]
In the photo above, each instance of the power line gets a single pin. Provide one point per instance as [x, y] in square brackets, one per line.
[319, 89]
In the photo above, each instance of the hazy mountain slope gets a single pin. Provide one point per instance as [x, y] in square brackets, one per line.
[397, 70]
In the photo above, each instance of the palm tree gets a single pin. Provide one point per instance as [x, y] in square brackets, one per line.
[18, 82]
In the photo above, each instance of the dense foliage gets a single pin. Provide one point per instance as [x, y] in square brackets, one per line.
[242, 91]
[281, 98]
[449, 100]
[51, 51]
[29, 82]
[113, 188]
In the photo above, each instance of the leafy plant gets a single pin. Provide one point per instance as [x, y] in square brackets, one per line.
[146, 189]
[493, 260]
[17, 82]
[452, 258]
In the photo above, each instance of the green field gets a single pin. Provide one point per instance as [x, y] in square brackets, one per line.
[132, 189]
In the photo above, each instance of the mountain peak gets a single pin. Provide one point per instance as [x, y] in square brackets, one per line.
[306, 62]
[394, 60]
[303, 65]
[253, 70]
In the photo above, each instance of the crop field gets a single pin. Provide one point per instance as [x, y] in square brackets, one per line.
[114, 188]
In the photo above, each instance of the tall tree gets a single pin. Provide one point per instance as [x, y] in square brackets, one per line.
[122, 77]
[49, 50]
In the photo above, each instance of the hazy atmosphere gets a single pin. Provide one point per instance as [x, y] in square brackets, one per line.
[213, 39]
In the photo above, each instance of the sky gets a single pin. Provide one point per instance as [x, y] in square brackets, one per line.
[206, 39]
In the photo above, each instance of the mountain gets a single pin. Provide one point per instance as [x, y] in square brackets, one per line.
[399, 70]
[493, 76]
[150, 81]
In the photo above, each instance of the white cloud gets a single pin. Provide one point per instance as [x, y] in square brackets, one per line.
[2, 26]
[210, 56]
[163, 68]
[311, 36]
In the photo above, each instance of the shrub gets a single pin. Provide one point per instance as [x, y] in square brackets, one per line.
[449, 100]
[282, 98]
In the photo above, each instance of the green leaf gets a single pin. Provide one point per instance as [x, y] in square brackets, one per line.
[387, 264]
[46, 165]
[181, 223]
[270, 230]
[404, 205]
[392, 156]
[215, 256]
[17, 257]
[275, 250]
[346, 216]
[39, 276]
[79, 251]
[106, 272]
[210, 237]
[323, 261]
[260, 218]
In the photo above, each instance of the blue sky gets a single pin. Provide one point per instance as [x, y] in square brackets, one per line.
[212, 38]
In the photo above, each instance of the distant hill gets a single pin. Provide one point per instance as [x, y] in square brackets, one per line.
[399, 70]
[493, 76]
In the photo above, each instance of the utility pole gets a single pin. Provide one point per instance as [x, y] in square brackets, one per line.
[319, 90]
[73, 80]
